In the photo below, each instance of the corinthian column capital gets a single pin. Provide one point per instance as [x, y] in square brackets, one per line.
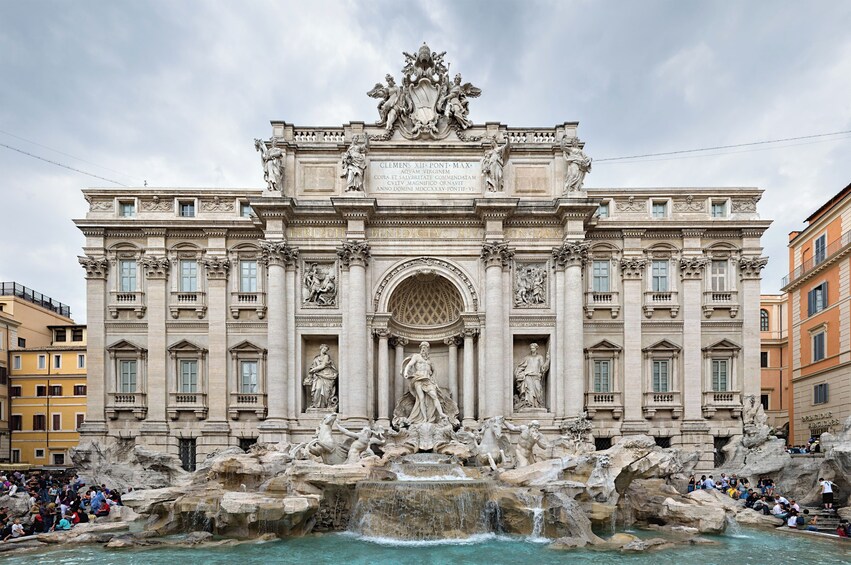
[96, 267]
[571, 253]
[278, 252]
[354, 253]
[496, 253]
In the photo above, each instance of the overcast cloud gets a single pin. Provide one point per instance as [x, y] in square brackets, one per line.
[174, 92]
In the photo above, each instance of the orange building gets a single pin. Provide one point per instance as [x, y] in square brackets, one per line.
[774, 358]
[819, 316]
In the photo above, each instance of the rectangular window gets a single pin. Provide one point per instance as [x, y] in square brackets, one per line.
[817, 299]
[660, 209]
[720, 375]
[39, 422]
[77, 334]
[57, 361]
[248, 378]
[39, 453]
[763, 359]
[16, 362]
[602, 376]
[819, 346]
[603, 210]
[127, 209]
[16, 456]
[59, 334]
[16, 390]
[187, 208]
[661, 375]
[81, 360]
[718, 274]
[245, 209]
[820, 394]
[81, 419]
[820, 249]
[79, 390]
[659, 276]
[22, 342]
[57, 422]
[188, 375]
[55, 390]
[248, 276]
[719, 209]
[601, 276]
[40, 390]
[4, 377]
[764, 398]
[127, 275]
[42, 361]
[127, 376]
[17, 422]
[188, 276]
[186, 451]
[58, 458]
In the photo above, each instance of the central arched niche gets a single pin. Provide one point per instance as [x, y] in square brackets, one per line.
[426, 306]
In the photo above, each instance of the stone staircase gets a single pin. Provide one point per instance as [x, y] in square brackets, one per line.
[826, 521]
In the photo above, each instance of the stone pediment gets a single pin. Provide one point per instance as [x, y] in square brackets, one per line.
[246, 346]
[604, 346]
[185, 345]
[723, 345]
[124, 345]
[662, 346]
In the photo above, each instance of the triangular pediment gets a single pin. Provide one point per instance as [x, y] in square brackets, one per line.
[663, 345]
[723, 345]
[124, 345]
[246, 346]
[186, 345]
[604, 345]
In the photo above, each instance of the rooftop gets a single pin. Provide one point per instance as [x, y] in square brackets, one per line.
[37, 298]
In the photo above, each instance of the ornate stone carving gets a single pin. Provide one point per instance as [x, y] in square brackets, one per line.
[631, 205]
[354, 252]
[272, 159]
[398, 340]
[353, 163]
[427, 103]
[578, 164]
[320, 285]
[425, 300]
[217, 267]
[96, 267]
[689, 205]
[529, 380]
[692, 267]
[424, 402]
[277, 252]
[744, 205]
[321, 381]
[493, 164]
[426, 265]
[496, 253]
[633, 267]
[530, 285]
[571, 253]
[216, 204]
[156, 204]
[100, 205]
[530, 437]
[155, 267]
[576, 435]
[751, 267]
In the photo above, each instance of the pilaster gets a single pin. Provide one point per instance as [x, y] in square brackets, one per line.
[496, 256]
[96, 268]
[573, 255]
[354, 255]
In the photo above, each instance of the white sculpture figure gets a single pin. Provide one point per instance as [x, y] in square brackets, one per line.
[363, 440]
[420, 370]
[320, 286]
[354, 163]
[530, 286]
[273, 164]
[530, 436]
[322, 380]
[491, 448]
[528, 379]
[393, 103]
[578, 165]
[323, 444]
[493, 163]
[453, 101]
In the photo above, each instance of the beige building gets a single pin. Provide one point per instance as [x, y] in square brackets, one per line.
[207, 309]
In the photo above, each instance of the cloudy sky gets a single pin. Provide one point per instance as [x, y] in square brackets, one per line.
[174, 92]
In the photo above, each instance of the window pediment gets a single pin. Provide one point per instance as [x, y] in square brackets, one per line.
[186, 346]
[604, 346]
[125, 346]
[722, 346]
[246, 347]
[663, 346]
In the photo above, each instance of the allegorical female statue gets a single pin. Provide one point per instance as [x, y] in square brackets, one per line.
[321, 380]
[273, 164]
[354, 163]
[528, 379]
[578, 165]
[493, 163]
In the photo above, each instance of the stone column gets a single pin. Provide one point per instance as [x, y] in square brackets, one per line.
[156, 293]
[217, 389]
[452, 342]
[383, 376]
[96, 373]
[750, 268]
[632, 271]
[399, 343]
[276, 255]
[691, 271]
[354, 386]
[573, 255]
[469, 407]
[496, 256]
[557, 346]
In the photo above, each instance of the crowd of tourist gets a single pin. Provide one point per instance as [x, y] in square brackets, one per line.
[813, 446]
[56, 502]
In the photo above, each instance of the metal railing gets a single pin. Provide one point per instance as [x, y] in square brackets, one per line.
[37, 298]
[808, 265]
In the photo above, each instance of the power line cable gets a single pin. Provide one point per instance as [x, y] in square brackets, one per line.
[61, 165]
[721, 147]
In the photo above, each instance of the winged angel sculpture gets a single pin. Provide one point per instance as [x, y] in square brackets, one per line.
[427, 103]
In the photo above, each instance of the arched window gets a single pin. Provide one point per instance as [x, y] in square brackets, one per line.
[763, 320]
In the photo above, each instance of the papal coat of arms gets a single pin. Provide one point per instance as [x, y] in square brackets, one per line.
[427, 103]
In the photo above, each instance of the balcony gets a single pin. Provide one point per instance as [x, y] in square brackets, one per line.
[720, 300]
[601, 301]
[654, 401]
[604, 401]
[196, 301]
[187, 402]
[247, 402]
[833, 250]
[729, 400]
[135, 402]
[119, 300]
[248, 301]
[666, 300]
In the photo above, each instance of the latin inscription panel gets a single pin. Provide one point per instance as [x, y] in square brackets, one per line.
[425, 177]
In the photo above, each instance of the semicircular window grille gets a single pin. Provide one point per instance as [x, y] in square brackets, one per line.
[426, 300]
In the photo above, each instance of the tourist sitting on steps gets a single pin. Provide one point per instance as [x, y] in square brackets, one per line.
[807, 522]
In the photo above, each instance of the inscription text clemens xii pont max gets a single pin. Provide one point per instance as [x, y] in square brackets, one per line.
[425, 176]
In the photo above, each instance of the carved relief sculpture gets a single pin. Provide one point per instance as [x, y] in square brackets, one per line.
[530, 436]
[353, 163]
[320, 285]
[493, 163]
[530, 285]
[529, 379]
[578, 165]
[321, 381]
[273, 164]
